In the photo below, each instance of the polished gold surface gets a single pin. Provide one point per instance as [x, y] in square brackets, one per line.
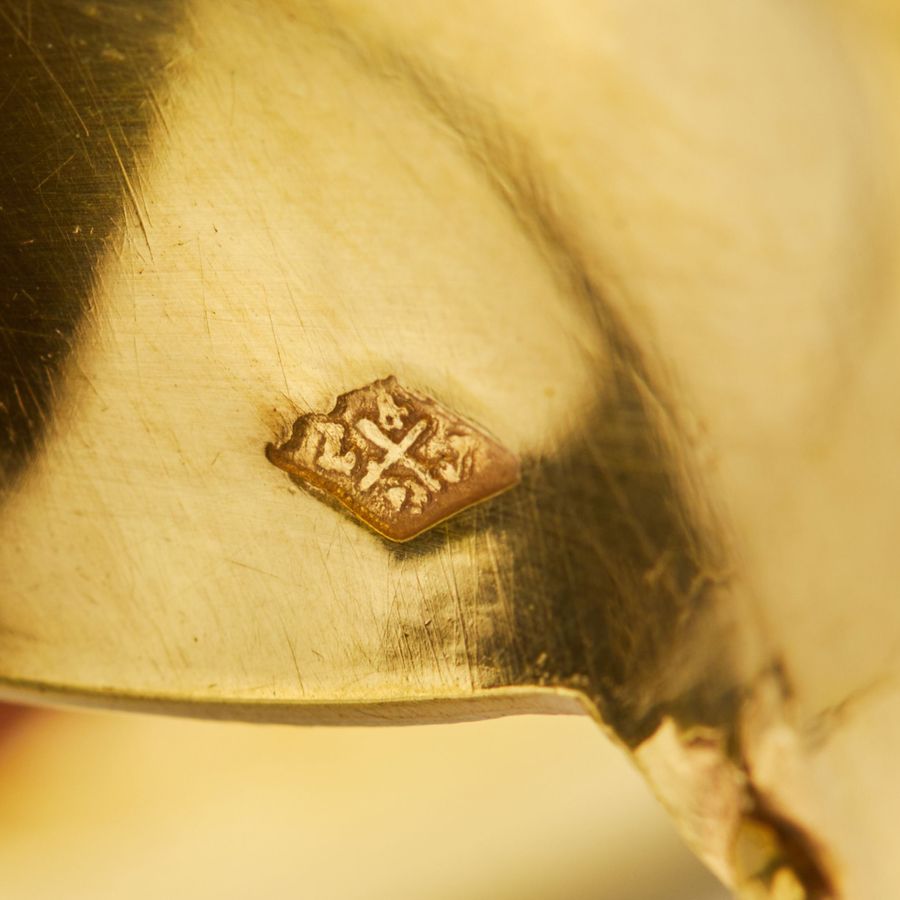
[652, 247]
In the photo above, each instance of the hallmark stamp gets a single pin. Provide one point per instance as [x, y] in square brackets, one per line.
[399, 461]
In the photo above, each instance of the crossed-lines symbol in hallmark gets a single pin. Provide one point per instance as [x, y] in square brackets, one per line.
[394, 453]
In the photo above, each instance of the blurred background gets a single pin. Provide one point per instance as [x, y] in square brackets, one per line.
[102, 805]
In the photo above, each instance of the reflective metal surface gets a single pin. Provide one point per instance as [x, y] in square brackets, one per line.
[649, 250]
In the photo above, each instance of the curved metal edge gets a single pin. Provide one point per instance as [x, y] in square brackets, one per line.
[426, 710]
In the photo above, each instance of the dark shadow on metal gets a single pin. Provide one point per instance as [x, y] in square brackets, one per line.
[80, 93]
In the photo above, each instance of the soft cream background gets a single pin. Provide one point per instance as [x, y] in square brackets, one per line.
[96, 806]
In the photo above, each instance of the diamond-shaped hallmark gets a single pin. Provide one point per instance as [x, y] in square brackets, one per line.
[397, 460]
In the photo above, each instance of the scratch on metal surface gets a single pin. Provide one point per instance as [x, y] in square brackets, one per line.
[203, 286]
[243, 565]
[29, 44]
[293, 652]
[129, 187]
[11, 91]
[56, 171]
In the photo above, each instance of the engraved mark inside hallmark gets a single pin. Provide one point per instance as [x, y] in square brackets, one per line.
[397, 460]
